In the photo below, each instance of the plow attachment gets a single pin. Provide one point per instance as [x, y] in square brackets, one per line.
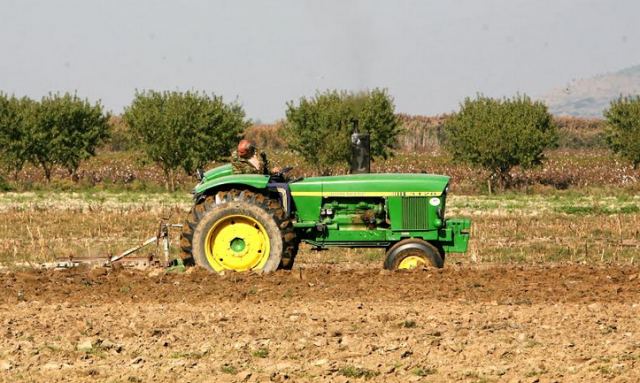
[130, 257]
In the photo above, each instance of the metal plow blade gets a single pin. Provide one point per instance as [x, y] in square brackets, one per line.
[159, 258]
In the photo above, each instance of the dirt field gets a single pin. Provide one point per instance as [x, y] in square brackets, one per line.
[463, 323]
[543, 294]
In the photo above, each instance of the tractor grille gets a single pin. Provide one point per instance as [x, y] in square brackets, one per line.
[414, 213]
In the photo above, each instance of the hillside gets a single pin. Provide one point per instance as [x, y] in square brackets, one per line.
[589, 97]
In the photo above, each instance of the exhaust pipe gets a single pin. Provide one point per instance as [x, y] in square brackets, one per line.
[360, 153]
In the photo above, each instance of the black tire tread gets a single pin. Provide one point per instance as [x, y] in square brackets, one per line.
[271, 206]
[436, 261]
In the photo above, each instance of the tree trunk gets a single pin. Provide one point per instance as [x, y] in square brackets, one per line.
[47, 170]
[73, 173]
[172, 177]
[169, 179]
[166, 178]
[504, 179]
[16, 173]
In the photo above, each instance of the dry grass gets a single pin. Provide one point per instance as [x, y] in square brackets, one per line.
[562, 227]
[41, 227]
[267, 136]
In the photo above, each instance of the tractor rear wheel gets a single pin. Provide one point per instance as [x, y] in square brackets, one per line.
[238, 231]
[412, 253]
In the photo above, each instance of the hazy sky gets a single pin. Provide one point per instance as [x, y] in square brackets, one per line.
[429, 54]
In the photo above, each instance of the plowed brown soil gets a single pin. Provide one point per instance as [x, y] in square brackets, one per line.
[462, 323]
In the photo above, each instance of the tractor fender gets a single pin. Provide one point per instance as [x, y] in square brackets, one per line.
[233, 181]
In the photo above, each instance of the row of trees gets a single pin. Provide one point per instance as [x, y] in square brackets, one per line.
[494, 134]
[175, 130]
[186, 130]
[57, 130]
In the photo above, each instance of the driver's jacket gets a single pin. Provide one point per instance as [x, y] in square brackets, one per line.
[245, 166]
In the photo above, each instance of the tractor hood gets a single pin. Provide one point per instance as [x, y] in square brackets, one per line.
[376, 184]
[354, 185]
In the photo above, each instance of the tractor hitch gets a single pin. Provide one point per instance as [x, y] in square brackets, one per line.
[161, 239]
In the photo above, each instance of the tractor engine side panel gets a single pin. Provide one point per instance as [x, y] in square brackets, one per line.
[354, 213]
[370, 210]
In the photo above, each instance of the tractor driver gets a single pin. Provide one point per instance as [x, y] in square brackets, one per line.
[247, 159]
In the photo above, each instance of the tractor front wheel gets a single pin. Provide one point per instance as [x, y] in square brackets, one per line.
[412, 253]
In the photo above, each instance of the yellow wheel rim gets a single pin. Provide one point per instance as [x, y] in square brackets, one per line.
[238, 243]
[411, 262]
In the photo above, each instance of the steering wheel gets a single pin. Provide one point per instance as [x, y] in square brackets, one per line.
[281, 174]
[283, 171]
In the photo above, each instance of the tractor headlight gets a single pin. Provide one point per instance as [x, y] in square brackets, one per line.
[438, 204]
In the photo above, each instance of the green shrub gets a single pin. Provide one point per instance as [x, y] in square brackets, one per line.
[228, 369]
[358, 372]
[66, 130]
[319, 129]
[623, 128]
[420, 371]
[184, 130]
[261, 353]
[59, 130]
[500, 134]
[16, 118]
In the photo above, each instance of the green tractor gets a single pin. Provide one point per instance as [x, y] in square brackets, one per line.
[254, 222]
